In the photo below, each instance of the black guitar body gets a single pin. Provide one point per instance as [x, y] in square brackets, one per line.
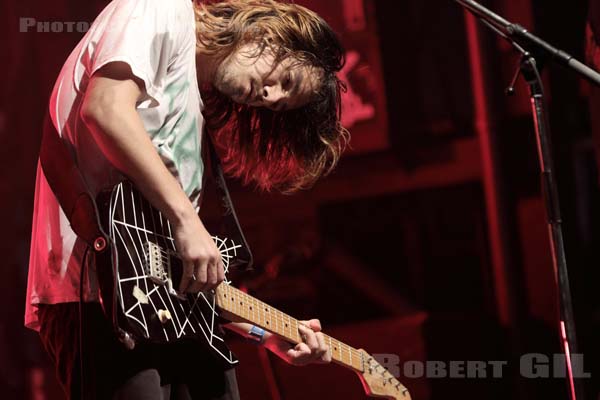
[139, 272]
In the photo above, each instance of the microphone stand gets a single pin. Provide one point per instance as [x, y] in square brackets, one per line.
[528, 44]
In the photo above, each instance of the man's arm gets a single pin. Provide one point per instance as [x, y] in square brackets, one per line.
[109, 111]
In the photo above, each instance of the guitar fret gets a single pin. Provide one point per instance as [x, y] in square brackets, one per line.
[258, 313]
[267, 316]
[348, 348]
[261, 316]
[275, 326]
[253, 310]
[286, 324]
[349, 354]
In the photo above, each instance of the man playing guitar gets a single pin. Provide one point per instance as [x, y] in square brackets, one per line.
[127, 104]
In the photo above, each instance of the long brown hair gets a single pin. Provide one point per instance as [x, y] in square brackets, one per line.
[286, 150]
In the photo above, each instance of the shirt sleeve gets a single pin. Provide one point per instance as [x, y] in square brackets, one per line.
[141, 33]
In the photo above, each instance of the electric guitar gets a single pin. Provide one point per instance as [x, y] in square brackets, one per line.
[138, 293]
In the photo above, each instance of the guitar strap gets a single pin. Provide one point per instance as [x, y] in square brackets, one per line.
[230, 222]
[78, 204]
[69, 187]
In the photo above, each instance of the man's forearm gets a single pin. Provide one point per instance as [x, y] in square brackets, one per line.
[120, 133]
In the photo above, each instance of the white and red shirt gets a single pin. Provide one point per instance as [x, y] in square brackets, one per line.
[156, 38]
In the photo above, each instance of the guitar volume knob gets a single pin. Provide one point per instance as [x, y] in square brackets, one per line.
[164, 316]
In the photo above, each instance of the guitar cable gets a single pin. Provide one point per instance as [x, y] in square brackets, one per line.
[81, 363]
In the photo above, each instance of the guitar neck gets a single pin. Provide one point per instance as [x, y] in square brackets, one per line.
[263, 315]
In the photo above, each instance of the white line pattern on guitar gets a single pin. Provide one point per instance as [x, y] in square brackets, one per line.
[134, 225]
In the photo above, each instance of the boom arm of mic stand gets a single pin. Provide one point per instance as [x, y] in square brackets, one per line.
[517, 34]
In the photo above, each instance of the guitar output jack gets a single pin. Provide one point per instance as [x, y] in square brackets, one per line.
[99, 244]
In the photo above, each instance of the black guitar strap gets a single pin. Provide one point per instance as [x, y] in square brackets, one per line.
[231, 224]
[70, 189]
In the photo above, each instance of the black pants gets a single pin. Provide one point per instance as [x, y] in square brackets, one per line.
[177, 371]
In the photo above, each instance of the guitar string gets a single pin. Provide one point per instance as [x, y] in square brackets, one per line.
[176, 328]
[181, 329]
[148, 293]
[272, 314]
[209, 331]
[192, 307]
[136, 224]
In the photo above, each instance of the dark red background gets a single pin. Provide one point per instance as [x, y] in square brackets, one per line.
[429, 241]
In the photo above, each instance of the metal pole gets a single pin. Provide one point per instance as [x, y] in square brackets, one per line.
[550, 193]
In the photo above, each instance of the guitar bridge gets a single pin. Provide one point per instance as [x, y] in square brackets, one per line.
[159, 269]
[158, 263]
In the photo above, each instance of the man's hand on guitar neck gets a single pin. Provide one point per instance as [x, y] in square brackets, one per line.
[312, 350]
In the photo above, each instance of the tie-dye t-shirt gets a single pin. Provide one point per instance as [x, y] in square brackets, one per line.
[156, 38]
